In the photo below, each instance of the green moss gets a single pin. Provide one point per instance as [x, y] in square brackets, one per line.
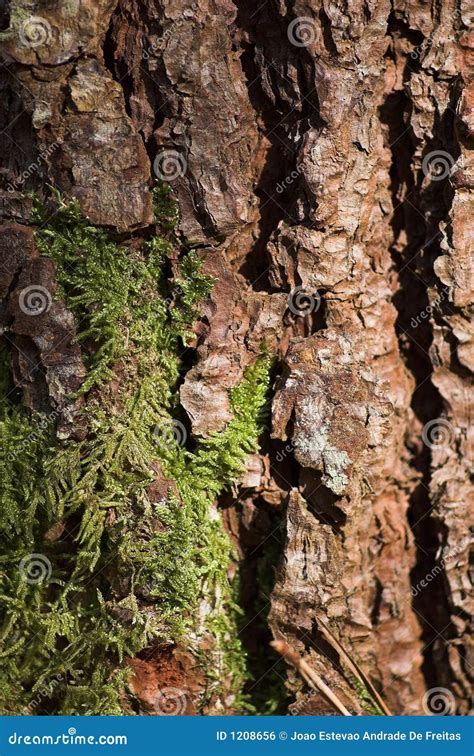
[366, 699]
[125, 569]
[165, 210]
[18, 16]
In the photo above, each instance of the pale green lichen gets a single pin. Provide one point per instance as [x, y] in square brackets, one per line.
[117, 581]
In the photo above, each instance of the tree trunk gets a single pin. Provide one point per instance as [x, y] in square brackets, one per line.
[237, 405]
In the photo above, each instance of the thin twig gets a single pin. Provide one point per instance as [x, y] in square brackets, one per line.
[309, 675]
[355, 669]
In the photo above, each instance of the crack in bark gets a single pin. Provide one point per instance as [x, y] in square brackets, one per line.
[415, 251]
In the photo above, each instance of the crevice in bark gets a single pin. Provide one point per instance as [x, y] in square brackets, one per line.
[5, 15]
[283, 465]
[413, 258]
[316, 319]
[322, 646]
[322, 502]
[276, 168]
[281, 123]
[377, 603]
[327, 33]
[125, 54]
[116, 65]
[18, 148]
[255, 526]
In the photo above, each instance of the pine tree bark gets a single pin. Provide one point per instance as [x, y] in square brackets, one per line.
[321, 158]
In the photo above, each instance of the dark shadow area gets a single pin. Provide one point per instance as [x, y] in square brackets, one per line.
[418, 211]
[282, 121]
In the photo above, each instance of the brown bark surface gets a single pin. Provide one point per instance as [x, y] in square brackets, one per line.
[321, 153]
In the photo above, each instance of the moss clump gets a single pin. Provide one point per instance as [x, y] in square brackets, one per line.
[119, 568]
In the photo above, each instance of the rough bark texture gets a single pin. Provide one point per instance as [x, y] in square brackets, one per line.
[321, 157]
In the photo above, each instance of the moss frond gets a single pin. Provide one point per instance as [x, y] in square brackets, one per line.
[122, 568]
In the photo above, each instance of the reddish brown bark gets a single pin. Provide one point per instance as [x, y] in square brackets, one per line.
[306, 142]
